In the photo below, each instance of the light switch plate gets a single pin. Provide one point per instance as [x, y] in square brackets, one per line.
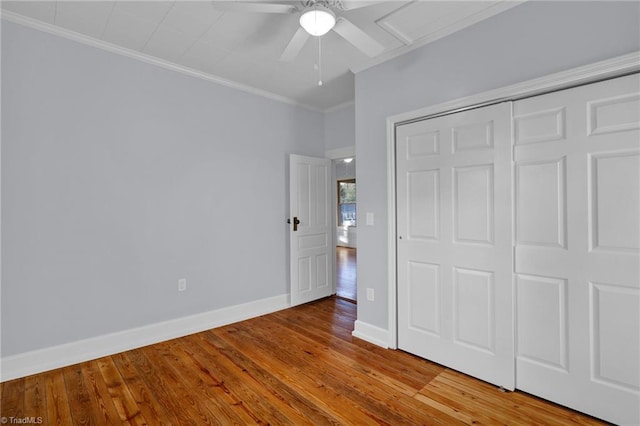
[370, 295]
[182, 284]
[369, 218]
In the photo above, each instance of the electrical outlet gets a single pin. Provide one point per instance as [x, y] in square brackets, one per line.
[182, 284]
[370, 295]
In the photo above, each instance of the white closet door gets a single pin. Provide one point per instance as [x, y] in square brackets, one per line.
[577, 199]
[454, 247]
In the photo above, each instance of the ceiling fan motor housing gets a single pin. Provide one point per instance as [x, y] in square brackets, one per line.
[309, 4]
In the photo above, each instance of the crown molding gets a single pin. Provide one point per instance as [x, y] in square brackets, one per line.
[133, 54]
[430, 38]
[340, 153]
[340, 106]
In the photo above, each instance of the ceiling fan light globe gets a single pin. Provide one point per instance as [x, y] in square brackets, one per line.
[318, 21]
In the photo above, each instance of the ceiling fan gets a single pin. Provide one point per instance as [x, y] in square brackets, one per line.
[317, 17]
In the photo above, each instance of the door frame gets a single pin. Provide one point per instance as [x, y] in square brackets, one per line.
[611, 68]
[333, 155]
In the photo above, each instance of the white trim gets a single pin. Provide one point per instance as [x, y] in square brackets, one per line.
[582, 75]
[1, 187]
[339, 153]
[564, 79]
[38, 361]
[430, 38]
[109, 47]
[391, 237]
[371, 333]
[340, 106]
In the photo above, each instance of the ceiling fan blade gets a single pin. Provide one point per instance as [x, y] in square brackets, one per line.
[356, 4]
[295, 45]
[253, 7]
[358, 38]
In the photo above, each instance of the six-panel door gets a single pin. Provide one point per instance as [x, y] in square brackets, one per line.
[577, 229]
[455, 242]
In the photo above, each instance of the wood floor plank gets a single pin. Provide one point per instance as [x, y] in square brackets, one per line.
[383, 405]
[161, 381]
[145, 399]
[58, 409]
[232, 343]
[294, 367]
[223, 406]
[128, 410]
[488, 405]
[392, 403]
[35, 398]
[343, 357]
[253, 397]
[306, 381]
[477, 412]
[83, 411]
[220, 380]
[410, 371]
[12, 404]
[346, 273]
[99, 394]
[445, 409]
[311, 413]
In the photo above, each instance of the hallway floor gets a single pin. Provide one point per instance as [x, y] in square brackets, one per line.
[346, 273]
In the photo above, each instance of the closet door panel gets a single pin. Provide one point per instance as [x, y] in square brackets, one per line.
[455, 289]
[577, 247]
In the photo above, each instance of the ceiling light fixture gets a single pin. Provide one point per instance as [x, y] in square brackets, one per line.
[318, 21]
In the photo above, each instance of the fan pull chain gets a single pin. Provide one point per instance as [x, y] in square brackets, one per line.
[319, 62]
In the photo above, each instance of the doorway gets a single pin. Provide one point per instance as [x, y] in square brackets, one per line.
[346, 273]
[346, 229]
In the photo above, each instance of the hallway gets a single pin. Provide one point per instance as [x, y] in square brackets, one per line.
[346, 273]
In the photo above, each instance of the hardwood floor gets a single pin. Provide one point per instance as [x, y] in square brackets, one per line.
[346, 273]
[298, 366]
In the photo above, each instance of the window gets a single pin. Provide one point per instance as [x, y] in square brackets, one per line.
[347, 202]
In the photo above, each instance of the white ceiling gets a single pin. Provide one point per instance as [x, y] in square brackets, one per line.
[244, 48]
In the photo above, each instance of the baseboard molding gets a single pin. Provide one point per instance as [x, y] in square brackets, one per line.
[38, 361]
[371, 333]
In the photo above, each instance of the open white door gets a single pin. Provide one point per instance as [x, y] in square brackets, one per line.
[454, 248]
[310, 242]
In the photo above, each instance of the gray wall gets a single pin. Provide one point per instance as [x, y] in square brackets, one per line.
[531, 40]
[340, 128]
[119, 178]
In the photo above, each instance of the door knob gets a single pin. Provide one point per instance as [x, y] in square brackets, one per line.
[296, 222]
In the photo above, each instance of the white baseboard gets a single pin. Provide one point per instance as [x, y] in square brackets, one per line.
[38, 361]
[371, 333]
